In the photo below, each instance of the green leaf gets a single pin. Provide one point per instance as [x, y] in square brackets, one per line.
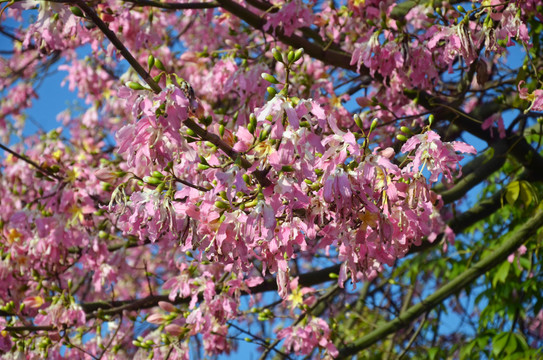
[401, 9]
[467, 350]
[482, 341]
[501, 274]
[432, 352]
[512, 192]
[526, 193]
[499, 343]
[511, 344]
[521, 341]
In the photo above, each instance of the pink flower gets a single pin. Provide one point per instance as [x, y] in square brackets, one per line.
[156, 319]
[302, 339]
[436, 156]
[489, 124]
[536, 98]
[292, 15]
[174, 329]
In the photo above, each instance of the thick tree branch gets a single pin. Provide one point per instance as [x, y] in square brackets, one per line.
[330, 56]
[91, 14]
[174, 6]
[476, 171]
[480, 211]
[517, 145]
[517, 238]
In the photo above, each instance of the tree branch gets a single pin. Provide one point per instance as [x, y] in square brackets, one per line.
[517, 238]
[190, 123]
[89, 12]
[30, 162]
[330, 56]
[516, 145]
[174, 6]
[476, 171]
[270, 284]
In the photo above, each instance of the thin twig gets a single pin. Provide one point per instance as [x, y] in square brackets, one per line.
[28, 161]
[412, 340]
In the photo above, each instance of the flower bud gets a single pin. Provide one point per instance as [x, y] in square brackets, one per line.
[159, 65]
[269, 77]
[174, 329]
[373, 124]
[157, 174]
[166, 306]
[298, 54]
[358, 121]
[152, 180]
[221, 205]
[271, 90]
[156, 319]
[150, 61]
[277, 55]
[406, 130]
[247, 179]
[290, 56]
[135, 86]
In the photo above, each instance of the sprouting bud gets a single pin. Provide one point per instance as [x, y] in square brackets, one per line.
[158, 77]
[461, 8]
[191, 132]
[247, 179]
[159, 65]
[157, 174]
[221, 205]
[358, 121]
[277, 55]
[152, 180]
[298, 54]
[203, 166]
[251, 128]
[206, 120]
[76, 11]
[431, 119]
[290, 57]
[270, 78]
[150, 61]
[272, 91]
[135, 86]
[264, 134]
[401, 137]
[406, 130]
[373, 124]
